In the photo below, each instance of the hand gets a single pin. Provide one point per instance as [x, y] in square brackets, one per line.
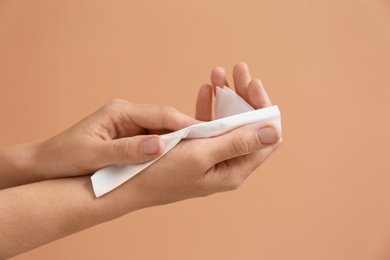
[194, 168]
[201, 167]
[252, 91]
[120, 132]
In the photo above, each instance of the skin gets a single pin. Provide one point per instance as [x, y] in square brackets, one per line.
[114, 134]
[62, 202]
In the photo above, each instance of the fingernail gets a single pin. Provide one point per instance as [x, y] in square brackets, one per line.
[268, 135]
[151, 146]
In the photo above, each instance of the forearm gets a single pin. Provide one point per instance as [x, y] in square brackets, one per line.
[35, 214]
[15, 162]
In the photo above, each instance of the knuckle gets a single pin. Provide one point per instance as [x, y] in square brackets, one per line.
[115, 104]
[165, 113]
[227, 180]
[240, 145]
[198, 157]
[204, 157]
[233, 183]
[203, 162]
[124, 151]
[168, 110]
[115, 108]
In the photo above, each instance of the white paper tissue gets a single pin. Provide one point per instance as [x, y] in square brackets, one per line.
[231, 112]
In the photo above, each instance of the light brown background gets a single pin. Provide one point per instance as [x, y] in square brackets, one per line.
[323, 195]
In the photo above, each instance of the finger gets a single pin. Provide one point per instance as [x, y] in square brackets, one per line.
[258, 97]
[120, 118]
[204, 103]
[160, 117]
[134, 150]
[218, 78]
[230, 174]
[241, 79]
[241, 141]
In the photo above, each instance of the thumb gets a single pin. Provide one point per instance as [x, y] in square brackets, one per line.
[135, 150]
[244, 140]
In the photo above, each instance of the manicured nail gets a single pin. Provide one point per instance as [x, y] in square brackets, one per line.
[151, 146]
[268, 135]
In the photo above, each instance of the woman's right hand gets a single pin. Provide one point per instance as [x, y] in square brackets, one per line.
[200, 167]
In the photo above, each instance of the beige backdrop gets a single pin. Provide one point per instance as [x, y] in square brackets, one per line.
[323, 195]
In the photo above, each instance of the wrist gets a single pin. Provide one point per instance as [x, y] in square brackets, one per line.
[17, 165]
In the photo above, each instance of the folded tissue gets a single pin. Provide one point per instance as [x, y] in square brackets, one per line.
[231, 112]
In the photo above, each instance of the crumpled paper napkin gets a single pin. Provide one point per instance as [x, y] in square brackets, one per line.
[231, 112]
